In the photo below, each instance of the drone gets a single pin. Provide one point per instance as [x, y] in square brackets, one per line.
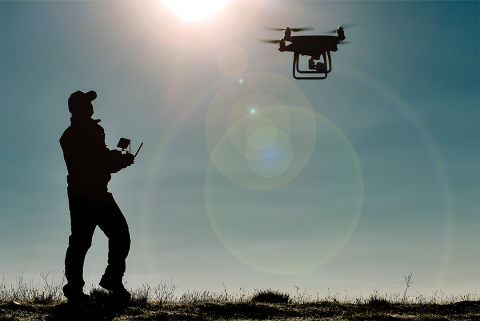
[317, 47]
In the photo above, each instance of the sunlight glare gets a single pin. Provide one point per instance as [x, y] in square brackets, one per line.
[194, 10]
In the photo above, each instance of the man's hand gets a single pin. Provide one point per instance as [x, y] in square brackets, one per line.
[129, 159]
[119, 161]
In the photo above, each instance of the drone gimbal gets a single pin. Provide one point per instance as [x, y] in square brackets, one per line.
[318, 68]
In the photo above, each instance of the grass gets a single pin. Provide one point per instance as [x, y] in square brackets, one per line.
[24, 301]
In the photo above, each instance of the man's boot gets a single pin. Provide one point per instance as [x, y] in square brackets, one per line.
[74, 294]
[115, 285]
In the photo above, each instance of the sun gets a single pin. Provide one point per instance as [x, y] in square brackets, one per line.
[194, 10]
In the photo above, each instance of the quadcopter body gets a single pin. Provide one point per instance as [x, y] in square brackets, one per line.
[317, 47]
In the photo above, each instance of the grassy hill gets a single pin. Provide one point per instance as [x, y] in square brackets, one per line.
[26, 302]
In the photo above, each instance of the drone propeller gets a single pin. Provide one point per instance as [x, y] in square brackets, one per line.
[276, 29]
[292, 29]
[344, 26]
[344, 42]
[269, 41]
[301, 29]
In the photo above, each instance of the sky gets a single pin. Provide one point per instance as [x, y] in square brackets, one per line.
[248, 178]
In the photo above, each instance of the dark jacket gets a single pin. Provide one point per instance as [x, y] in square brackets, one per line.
[89, 161]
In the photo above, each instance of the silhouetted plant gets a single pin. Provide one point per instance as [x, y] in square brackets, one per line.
[408, 282]
[269, 296]
[99, 295]
[141, 296]
[377, 301]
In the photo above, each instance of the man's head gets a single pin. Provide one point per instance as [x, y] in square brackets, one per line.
[80, 103]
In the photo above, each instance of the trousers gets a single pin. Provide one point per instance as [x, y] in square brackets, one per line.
[87, 211]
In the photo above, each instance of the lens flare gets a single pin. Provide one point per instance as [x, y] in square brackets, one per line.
[298, 225]
[261, 135]
[268, 129]
[268, 112]
[265, 148]
[269, 152]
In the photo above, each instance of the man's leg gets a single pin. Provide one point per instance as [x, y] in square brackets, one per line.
[113, 224]
[80, 240]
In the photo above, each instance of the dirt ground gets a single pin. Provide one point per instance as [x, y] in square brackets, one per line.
[138, 310]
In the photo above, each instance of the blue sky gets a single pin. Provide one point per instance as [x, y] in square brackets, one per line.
[378, 175]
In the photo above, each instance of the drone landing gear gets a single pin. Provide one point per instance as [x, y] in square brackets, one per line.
[319, 67]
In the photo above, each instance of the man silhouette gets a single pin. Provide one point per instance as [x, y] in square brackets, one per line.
[90, 164]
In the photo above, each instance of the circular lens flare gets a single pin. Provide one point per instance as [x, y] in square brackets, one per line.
[267, 112]
[260, 134]
[269, 131]
[295, 226]
[269, 152]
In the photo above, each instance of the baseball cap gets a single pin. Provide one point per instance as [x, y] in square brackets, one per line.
[78, 99]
